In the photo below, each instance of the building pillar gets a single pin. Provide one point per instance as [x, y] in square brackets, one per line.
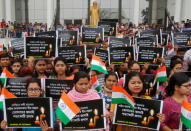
[50, 13]
[136, 12]
[2, 9]
[177, 9]
[10, 10]
[154, 11]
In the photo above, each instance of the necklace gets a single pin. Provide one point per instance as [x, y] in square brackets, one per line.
[108, 90]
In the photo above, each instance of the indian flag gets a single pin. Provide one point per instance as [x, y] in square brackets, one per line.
[6, 73]
[95, 84]
[66, 109]
[5, 94]
[185, 115]
[161, 74]
[120, 96]
[98, 65]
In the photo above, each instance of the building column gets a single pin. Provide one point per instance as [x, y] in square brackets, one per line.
[136, 12]
[177, 10]
[10, 10]
[154, 11]
[2, 9]
[50, 13]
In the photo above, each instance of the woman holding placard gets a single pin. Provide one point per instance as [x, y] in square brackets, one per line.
[178, 90]
[135, 86]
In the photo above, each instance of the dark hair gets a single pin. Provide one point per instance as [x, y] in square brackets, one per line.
[131, 63]
[111, 74]
[17, 60]
[59, 59]
[37, 60]
[33, 80]
[26, 71]
[129, 77]
[4, 55]
[174, 63]
[178, 79]
[79, 75]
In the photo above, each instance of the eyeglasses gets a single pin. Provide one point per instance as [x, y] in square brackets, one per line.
[187, 86]
[34, 89]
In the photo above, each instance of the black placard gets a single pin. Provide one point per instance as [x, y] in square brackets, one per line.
[119, 42]
[102, 54]
[68, 38]
[144, 115]
[73, 54]
[18, 46]
[40, 47]
[110, 28]
[89, 116]
[101, 80]
[28, 112]
[146, 41]
[120, 55]
[55, 87]
[150, 54]
[46, 34]
[17, 86]
[92, 35]
[182, 39]
[149, 33]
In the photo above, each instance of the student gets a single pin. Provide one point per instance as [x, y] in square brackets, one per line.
[40, 68]
[34, 91]
[178, 90]
[106, 92]
[60, 69]
[135, 86]
[81, 90]
[16, 66]
[5, 61]
[132, 66]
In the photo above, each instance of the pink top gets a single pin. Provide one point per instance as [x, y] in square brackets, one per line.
[90, 95]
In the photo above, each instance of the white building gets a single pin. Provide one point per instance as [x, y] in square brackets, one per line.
[77, 10]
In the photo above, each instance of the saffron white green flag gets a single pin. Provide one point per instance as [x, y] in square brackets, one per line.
[5, 94]
[120, 96]
[185, 115]
[66, 109]
[95, 84]
[97, 64]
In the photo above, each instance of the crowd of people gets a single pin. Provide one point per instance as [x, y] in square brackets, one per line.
[172, 92]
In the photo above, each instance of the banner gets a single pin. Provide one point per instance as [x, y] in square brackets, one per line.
[90, 116]
[52, 34]
[146, 42]
[68, 38]
[17, 86]
[92, 35]
[40, 47]
[110, 28]
[28, 112]
[182, 39]
[102, 54]
[18, 46]
[148, 33]
[101, 80]
[119, 42]
[120, 55]
[150, 54]
[73, 54]
[144, 115]
[55, 87]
